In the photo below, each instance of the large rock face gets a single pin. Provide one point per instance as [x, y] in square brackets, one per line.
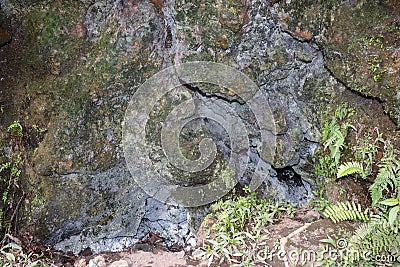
[80, 62]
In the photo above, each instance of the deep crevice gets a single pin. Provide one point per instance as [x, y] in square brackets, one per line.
[289, 176]
[197, 90]
[341, 82]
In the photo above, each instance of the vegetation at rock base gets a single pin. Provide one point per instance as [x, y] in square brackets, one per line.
[378, 235]
[239, 232]
[334, 134]
[10, 177]
[13, 255]
[12, 195]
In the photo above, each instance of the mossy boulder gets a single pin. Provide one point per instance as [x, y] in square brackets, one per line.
[72, 67]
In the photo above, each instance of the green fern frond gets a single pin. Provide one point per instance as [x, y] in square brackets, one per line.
[361, 233]
[332, 134]
[336, 150]
[343, 112]
[377, 236]
[348, 211]
[350, 168]
[385, 180]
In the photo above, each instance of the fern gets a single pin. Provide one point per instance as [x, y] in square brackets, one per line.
[377, 236]
[350, 168]
[343, 112]
[360, 234]
[348, 211]
[334, 141]
[386, 180]
[334, 134]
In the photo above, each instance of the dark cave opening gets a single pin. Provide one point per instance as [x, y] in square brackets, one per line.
[289, 176]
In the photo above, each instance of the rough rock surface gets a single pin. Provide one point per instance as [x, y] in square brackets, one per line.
[79, 62]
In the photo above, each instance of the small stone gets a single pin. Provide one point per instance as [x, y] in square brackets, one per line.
[198, 254]
[98, 261]
[80, 263]
[120, 263]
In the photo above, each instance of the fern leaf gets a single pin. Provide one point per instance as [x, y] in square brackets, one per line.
[333, 133]
[385, 179]
[393, 214]
[346, 212]
[350, 168]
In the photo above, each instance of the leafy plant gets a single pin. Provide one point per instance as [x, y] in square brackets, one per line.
[394, 210]
[334, 134]
[388, 175]
[239, 231]
[16, 129]
[365, 150]
[12, 255]
[376, 237]
[350, 168]
[380, 232]
[320, 202]
[10, 183]
[348, 211]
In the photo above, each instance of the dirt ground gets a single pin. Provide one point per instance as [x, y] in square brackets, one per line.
[136, 258]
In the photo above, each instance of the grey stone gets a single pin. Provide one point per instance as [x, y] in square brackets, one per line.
[98, 261]
[85, 197]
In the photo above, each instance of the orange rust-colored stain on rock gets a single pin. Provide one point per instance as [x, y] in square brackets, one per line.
[66, 164]
[231, 93]
[133, 3]
[4, 33]
[158, 3]
[130, 6]
[303, 34]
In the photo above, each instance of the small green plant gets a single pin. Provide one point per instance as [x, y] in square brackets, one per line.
[239, 231]
[348, 168]
[377, 237]
[320, 202]
[13, 255]
[15, 128]
[10, 172]
[366, 149]
[10, 179]
[334, 134]
[39, 129]
[10, 182]
[375, 66]
[364, 154]
[393, 203]
[387, 179]
[374, 40]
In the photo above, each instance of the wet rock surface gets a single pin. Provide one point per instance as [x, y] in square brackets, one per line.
[80, 62]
